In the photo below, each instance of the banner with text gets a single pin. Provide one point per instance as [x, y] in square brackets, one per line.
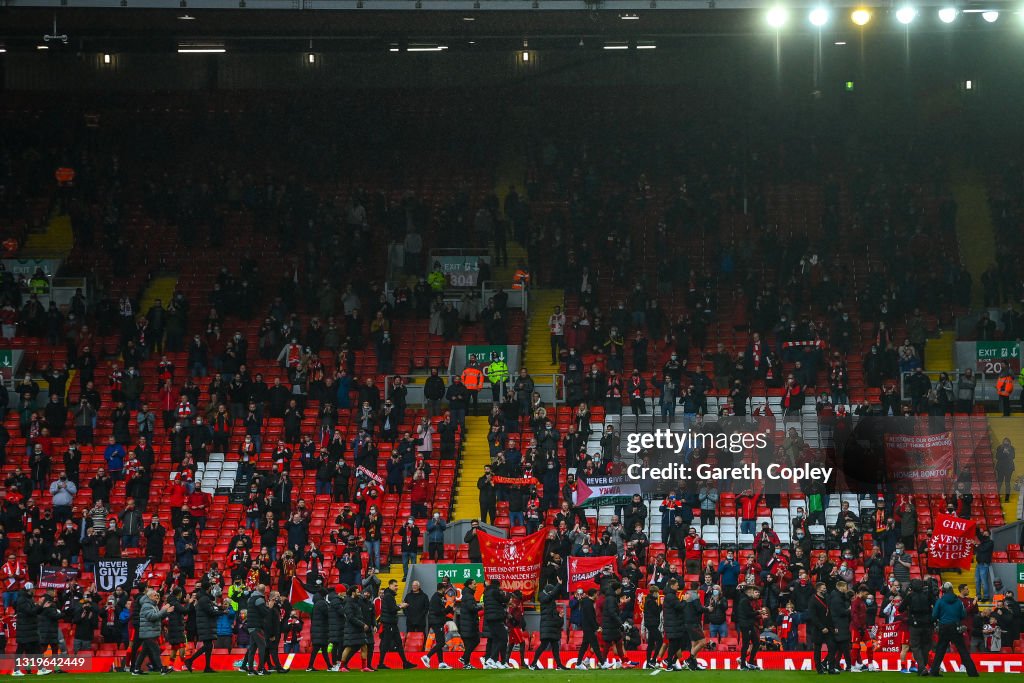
[113, 573]
[582, 571]
[919, 458]
[514, 562]
[56, 577]
[951, 545]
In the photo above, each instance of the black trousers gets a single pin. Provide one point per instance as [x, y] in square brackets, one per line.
[843, 650]
[829, 642]
[438, 648]
[654, 643]
[206, 651]
[921, 645]
[548, 644]
[949, 634]
[470, 641]
[148, 648]
[749, 638]
[589, 643]
[497, 640]
[257, 646]
[273, 652]
[319, 648]
[391, 641]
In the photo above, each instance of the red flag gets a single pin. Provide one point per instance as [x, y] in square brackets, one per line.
[514, 562]
[951, 545]
[582, 571]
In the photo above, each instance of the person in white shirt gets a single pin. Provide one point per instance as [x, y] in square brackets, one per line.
[556, 325]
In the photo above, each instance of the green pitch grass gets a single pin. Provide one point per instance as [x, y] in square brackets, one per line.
[434, 676]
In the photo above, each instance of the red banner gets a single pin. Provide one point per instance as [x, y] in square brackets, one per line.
[515, 562]
[919, 457]
[582, 571]
[951, 545]
[888, 638]
[514, 481]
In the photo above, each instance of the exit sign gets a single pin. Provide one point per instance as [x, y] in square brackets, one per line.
[993, 358]
[6, 364]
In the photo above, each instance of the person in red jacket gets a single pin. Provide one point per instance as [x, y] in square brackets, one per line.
[178, 497]
[694, 545]
[419, 494]
[748, 502]
[167, 398]
[199, 503]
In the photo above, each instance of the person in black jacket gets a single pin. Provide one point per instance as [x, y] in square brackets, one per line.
[611, 622]
[437, 615]
[256, 616]
[652, 622]
[390, 637]
[86, 621]
[206, 624]
[47, 624]
[473, 541]
[335, 626]
[26, 611]
[821, 630]
[839, 606]
[550, 624]
[469, 622]
[319, 630]
[495, 602]
[415, 606]
[589, 626]
[746, 623]
[273, 630]
[176, 626]
[675, 626]
[358, 631]
[693, 613]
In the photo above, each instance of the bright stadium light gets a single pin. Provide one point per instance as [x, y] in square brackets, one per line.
[906, 14]
[777, 16]
[991, 16]
[947, 15]
[818, 16]
[860, 16]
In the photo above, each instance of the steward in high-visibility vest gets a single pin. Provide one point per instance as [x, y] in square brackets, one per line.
[521, 280]
[473, 379]
[497, 375]
[1004, 387]
[436, 279]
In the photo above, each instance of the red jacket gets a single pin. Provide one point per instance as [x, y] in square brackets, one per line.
[748, 506]
[178, 494]
[858, 614]
[694, 546]
[199, 503]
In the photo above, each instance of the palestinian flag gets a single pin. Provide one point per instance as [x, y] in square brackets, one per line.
[299, 597]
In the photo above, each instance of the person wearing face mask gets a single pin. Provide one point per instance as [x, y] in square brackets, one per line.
[821, 630]
[729, 571]
[716, 604]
